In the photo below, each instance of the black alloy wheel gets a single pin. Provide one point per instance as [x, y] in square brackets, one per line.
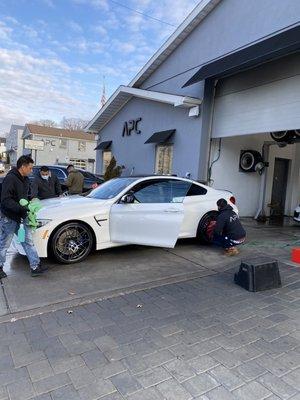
[203, 227]
[72, 243]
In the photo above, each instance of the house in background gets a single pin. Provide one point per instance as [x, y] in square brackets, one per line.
[14, 144]
[62, 146]
[3, 149]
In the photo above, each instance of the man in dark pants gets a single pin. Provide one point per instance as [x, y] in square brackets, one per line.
[45, 186]
[228, 230]
[14, 188]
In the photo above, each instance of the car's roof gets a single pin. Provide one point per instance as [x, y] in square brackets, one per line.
[136, 177]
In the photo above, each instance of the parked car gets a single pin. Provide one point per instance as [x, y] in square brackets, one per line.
[297, 214]
[90, 180]
[152, 211]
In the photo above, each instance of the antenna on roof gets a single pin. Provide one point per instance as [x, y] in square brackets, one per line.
[103, 97]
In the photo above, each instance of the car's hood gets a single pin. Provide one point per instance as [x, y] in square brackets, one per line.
[75, 206]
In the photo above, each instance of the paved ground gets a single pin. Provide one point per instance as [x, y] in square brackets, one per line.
[205, 339]
[131, 268]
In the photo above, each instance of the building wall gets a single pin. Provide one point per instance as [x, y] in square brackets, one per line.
[232, 24]
[138, 157]
[14, 143]
[246, 186]
[53, 153]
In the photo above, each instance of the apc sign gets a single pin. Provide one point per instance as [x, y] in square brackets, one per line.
[131, 126]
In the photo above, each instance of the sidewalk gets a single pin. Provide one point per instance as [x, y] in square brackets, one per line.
[202, 339]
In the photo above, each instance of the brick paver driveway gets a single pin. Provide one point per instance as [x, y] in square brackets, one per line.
[201, 339]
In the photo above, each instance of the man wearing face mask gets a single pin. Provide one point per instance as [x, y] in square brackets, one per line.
[45, 186]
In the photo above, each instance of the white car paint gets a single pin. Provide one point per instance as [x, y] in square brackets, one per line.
[297, 214]
[115, 224]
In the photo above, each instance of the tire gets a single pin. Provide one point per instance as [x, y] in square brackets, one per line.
[249, 159]
[71, 243]
[203, 225]
[281, 136]
[297, 134]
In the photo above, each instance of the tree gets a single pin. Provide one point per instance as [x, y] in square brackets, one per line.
[113, 170]
[73, 124]
[45, 122]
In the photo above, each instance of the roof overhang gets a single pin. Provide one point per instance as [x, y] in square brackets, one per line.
[266, 50]
[161, 136]
[103, 145]
[125, 93]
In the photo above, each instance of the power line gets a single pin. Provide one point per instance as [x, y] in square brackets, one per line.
[141, 13]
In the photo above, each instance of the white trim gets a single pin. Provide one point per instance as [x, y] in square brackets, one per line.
[124, 93]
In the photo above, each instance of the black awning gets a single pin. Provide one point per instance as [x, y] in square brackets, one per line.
[103, 145]
[266, 50]
[160, 137]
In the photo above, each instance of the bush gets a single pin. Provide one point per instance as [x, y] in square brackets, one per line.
[113, 170]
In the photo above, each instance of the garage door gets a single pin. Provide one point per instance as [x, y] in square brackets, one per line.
[264, 99]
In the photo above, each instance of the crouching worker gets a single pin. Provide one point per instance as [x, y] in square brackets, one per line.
[228, 231]
[14, 188]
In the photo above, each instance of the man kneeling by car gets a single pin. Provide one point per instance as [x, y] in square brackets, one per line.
[228, 231]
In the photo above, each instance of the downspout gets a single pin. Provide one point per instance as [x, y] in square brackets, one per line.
[209, 168]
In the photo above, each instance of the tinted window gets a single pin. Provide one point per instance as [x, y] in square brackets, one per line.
[111, 189]
[58, 172]
[196, 190]
[161, 191]
[88, 175]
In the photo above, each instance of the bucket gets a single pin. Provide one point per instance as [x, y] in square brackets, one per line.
[296, 255]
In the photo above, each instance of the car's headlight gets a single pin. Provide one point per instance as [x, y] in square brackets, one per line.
[43, 222]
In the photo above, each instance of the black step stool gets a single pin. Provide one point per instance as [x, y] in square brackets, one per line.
[257, 274]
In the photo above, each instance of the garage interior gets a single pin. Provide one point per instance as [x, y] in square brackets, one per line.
[248, 108]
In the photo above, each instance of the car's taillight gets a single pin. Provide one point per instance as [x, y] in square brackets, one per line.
[232, 199]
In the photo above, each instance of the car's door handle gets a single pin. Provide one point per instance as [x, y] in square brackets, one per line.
[171, 210]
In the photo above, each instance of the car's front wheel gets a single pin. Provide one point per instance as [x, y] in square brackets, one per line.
[205, 227]
[71, 243]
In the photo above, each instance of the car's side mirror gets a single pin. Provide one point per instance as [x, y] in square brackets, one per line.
[127, 199]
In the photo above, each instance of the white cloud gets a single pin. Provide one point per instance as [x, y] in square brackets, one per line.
[74, 26]
[34, 88]
[101, 4]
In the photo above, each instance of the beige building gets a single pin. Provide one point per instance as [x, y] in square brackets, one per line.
[62, 146]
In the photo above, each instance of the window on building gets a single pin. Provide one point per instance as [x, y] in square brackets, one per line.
[164, 159]
[78, 163]
[63, 143]
[81, 146]
[106, 157]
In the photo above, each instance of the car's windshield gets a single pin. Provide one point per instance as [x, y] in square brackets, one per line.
[110, 189]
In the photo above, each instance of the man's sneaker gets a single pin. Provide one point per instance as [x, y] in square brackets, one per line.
[37, 271]
[232, 251]
[2, 273]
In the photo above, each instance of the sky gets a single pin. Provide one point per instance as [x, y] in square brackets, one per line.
[54, 53]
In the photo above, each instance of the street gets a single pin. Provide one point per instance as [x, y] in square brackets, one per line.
[153, 324]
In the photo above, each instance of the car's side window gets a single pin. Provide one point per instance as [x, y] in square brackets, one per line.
[161, 191]
[196, 190]
[58, 172]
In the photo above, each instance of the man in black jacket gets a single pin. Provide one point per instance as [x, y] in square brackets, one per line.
[14, 188]
[45, 186]
[228, 231]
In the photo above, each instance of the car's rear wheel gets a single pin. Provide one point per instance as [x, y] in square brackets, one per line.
[204, 233]
[72, 243]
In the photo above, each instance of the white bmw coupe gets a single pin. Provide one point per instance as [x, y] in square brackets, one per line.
[152, 211]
